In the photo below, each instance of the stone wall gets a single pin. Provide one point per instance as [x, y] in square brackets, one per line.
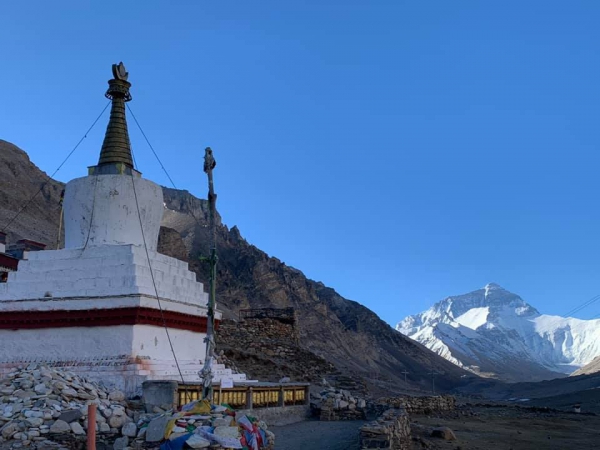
[391, 430]
[279, 415]
[251, 333]
[419, 405]
[339, 404]
[329, 411]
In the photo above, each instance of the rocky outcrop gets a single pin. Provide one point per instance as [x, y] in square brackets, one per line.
[589, 368]
[20, 181]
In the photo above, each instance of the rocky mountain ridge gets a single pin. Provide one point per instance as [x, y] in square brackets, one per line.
[342, 331]
[494, 332]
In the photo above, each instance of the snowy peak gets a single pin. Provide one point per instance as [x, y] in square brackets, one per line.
[471, 310]
[492, 296]
[494, 331]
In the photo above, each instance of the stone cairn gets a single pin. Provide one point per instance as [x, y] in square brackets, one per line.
[339, 404]
[391, 430]
[46, 408]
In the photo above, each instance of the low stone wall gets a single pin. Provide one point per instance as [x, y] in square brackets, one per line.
[339, 404]
[419, 405]
[278, 416]
[391, 430]
[329, 412]
[250, 332]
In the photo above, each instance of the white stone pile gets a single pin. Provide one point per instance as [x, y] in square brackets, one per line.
[38, 403]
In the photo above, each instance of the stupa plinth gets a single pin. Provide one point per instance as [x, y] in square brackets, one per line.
[92, 306]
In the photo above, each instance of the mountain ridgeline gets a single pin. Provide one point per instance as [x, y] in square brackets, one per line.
[495, 333]
[342, 331]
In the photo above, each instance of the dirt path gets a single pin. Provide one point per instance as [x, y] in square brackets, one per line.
[315, 435]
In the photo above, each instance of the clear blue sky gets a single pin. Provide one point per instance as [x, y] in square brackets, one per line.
[398, 151]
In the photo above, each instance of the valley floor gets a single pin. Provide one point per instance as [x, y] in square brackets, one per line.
[475, 427]
[508, 428]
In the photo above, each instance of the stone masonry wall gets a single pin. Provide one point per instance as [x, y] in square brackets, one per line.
[420, 405]
[391, 430]
[268, 349]
[339, 404]
[251, 333]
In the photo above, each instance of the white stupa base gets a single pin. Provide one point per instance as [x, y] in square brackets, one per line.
[121, 356]
[95, 312]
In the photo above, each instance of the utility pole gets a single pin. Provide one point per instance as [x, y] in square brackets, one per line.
[405, 372]
[433, 373]
[206, 372]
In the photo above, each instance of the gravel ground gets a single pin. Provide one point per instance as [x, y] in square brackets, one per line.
[316, 435]
[509, 428]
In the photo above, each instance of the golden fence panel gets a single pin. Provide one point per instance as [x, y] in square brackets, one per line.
[262, 397]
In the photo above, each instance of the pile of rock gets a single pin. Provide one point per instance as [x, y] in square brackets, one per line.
[221, 358]
[38, 403]
[390, 430]
[46, 408]
[339, 404]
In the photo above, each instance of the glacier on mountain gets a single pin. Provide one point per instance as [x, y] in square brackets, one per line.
[492, 331]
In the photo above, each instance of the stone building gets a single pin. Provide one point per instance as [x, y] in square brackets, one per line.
[92, 306]
[8, 263]
[22, 247]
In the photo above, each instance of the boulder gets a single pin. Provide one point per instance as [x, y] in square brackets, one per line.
[76, 428]
[9, 430]
[129, 429]
[40, 388]
[70, 415]
[444, 433]
[121, 443]
[156, 429]
[116, 421]
[116, 396]
[60, 426]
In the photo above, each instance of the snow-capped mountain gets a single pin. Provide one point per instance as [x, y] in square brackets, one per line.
[494, 332]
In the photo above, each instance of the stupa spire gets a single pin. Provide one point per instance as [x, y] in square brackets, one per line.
[115, 156]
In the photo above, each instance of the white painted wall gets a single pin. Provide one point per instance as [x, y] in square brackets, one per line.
[102, 271]
[121, 356]
[2, 247]
[115, 216]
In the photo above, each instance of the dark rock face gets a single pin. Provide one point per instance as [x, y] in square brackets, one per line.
[342, 331]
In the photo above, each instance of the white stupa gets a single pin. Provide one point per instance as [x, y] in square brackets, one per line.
[92, 306]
